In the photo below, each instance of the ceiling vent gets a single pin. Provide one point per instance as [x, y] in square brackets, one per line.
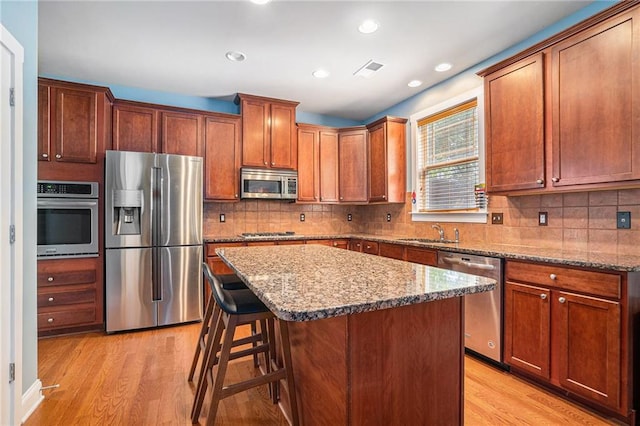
[368, 69]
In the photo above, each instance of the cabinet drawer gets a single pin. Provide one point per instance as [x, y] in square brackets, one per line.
[592, 282]
[422, 256]
[211, 247]
[370, 247]
[66, 297]
[49, 320]
[65, 278]
[394, 251]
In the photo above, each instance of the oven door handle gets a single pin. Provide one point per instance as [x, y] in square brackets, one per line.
[67, 203]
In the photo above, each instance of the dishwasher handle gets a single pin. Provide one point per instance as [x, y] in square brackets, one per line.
[470, 265]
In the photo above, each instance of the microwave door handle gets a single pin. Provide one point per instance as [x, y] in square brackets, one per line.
[66, 203]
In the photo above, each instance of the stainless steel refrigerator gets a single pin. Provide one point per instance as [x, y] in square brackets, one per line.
[153, 239]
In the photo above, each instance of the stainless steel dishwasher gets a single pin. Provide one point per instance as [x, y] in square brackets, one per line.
[482, 311]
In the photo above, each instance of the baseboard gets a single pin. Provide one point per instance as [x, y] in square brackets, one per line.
[31, 399]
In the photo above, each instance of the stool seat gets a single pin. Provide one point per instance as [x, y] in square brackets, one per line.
[231, 282]
[239, 302]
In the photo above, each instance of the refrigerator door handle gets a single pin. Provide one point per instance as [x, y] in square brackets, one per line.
[156, 223]
[156, 281]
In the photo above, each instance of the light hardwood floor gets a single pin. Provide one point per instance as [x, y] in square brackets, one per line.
[140, 378]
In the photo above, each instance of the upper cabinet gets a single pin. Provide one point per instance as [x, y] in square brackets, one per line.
[565, 114]
[222, 157]
[135, 127]
[317, 164]
[269, 136]
[181, 133]
[73, 129]
[352, 154]
[387, 160]
[514, 126]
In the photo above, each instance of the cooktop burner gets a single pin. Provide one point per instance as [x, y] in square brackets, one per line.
[267, 234]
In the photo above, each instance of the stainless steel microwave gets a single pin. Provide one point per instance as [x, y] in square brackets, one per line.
[67, 219]
[269, 184]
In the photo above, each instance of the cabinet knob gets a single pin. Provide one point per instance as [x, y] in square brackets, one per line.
[562, 299]
[273, 163]
[236, 195]
[265, 163]
[45, 155]
[50, 320]
[384, 197]
[335, 244]
[368, 246]
[543, 296]
[341, 198]
[58, 156]
[540, 181]
[553, 276]
[555, 179]
[50, 279]
[51, 299]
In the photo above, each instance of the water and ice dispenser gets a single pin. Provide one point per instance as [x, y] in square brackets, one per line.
[127, 205]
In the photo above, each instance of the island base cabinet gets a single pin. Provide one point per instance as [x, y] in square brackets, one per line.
[393, 366]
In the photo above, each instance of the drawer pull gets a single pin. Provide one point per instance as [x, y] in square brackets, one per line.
[543, 296]
[50, 279]
[51, 299]
[58, 156]
[368, 246]
[335, 244]
[553, 276]
[539, 181]
[50, 320]
[562, 299]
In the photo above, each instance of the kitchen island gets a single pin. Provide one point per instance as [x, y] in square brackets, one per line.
[373, 340]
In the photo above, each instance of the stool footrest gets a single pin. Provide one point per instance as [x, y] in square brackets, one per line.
[256, 381]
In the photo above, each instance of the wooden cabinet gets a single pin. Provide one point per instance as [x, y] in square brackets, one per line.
[394, 251]
[135, 127]
[355, 245]
[74, 122]
[269, 136]
[181, 133]
[216, 264]
[339, 243]
[595, 92]
[514, 126]
[370, 247]
[423, 256]
[568, 108]
[317, 164]
[353, 174]
[387, 160]
[221, 157]
[565, 326]
[70, 295]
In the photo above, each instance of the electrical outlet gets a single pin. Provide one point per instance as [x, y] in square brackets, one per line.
[543, 219]
[222, 218]
[301, 217]
[349, 217]
[624, 220]
[388, 217]
[496, 218]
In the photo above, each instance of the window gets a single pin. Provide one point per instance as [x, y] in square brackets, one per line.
[449, 165]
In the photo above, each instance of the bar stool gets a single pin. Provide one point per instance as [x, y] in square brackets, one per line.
[237, 307]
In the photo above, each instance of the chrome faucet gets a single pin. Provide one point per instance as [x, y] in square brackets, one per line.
[439, 229]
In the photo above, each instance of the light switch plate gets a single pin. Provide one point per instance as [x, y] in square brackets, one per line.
[624, 220]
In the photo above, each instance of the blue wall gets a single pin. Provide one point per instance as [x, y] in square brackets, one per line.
[20, 18]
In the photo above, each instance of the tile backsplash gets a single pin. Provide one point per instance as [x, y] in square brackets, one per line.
[576, 221]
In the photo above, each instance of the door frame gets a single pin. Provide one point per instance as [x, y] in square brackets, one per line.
[11, 213]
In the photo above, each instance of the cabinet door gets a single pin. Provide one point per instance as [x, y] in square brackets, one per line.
[378, 163]
[595, 79]
[255, 133]
[352, 148]
[589, 333]
[307, 165]
[355, 245]
[527, 316]
[181, 133]
[74, 121]
[283, 137]
[222, 158]
[328, 159]
[135, 128]
[422, 256]
[514, 99]
[44, 123]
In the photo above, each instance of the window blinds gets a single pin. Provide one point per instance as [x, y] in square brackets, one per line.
[448, 164]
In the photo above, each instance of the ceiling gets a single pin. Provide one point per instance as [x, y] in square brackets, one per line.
[179, 46]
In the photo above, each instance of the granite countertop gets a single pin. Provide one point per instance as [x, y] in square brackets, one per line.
[585, 259]
[310, 282]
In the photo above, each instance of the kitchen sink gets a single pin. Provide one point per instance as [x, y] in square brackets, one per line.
[429, 240]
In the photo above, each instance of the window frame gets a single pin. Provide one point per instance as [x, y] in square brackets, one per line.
[479, 216]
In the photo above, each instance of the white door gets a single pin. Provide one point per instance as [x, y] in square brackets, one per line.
[11, 60]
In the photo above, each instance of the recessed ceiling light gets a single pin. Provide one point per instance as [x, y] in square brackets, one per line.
[367, 27]
[260, 1]
[443, 67]
[235, 56]
[414, 83]
[320, 73]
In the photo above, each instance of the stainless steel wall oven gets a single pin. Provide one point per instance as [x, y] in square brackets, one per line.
[67, 219]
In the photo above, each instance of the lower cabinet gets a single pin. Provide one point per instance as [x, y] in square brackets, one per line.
[423, 256]
[70, 295]
[567, 327]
